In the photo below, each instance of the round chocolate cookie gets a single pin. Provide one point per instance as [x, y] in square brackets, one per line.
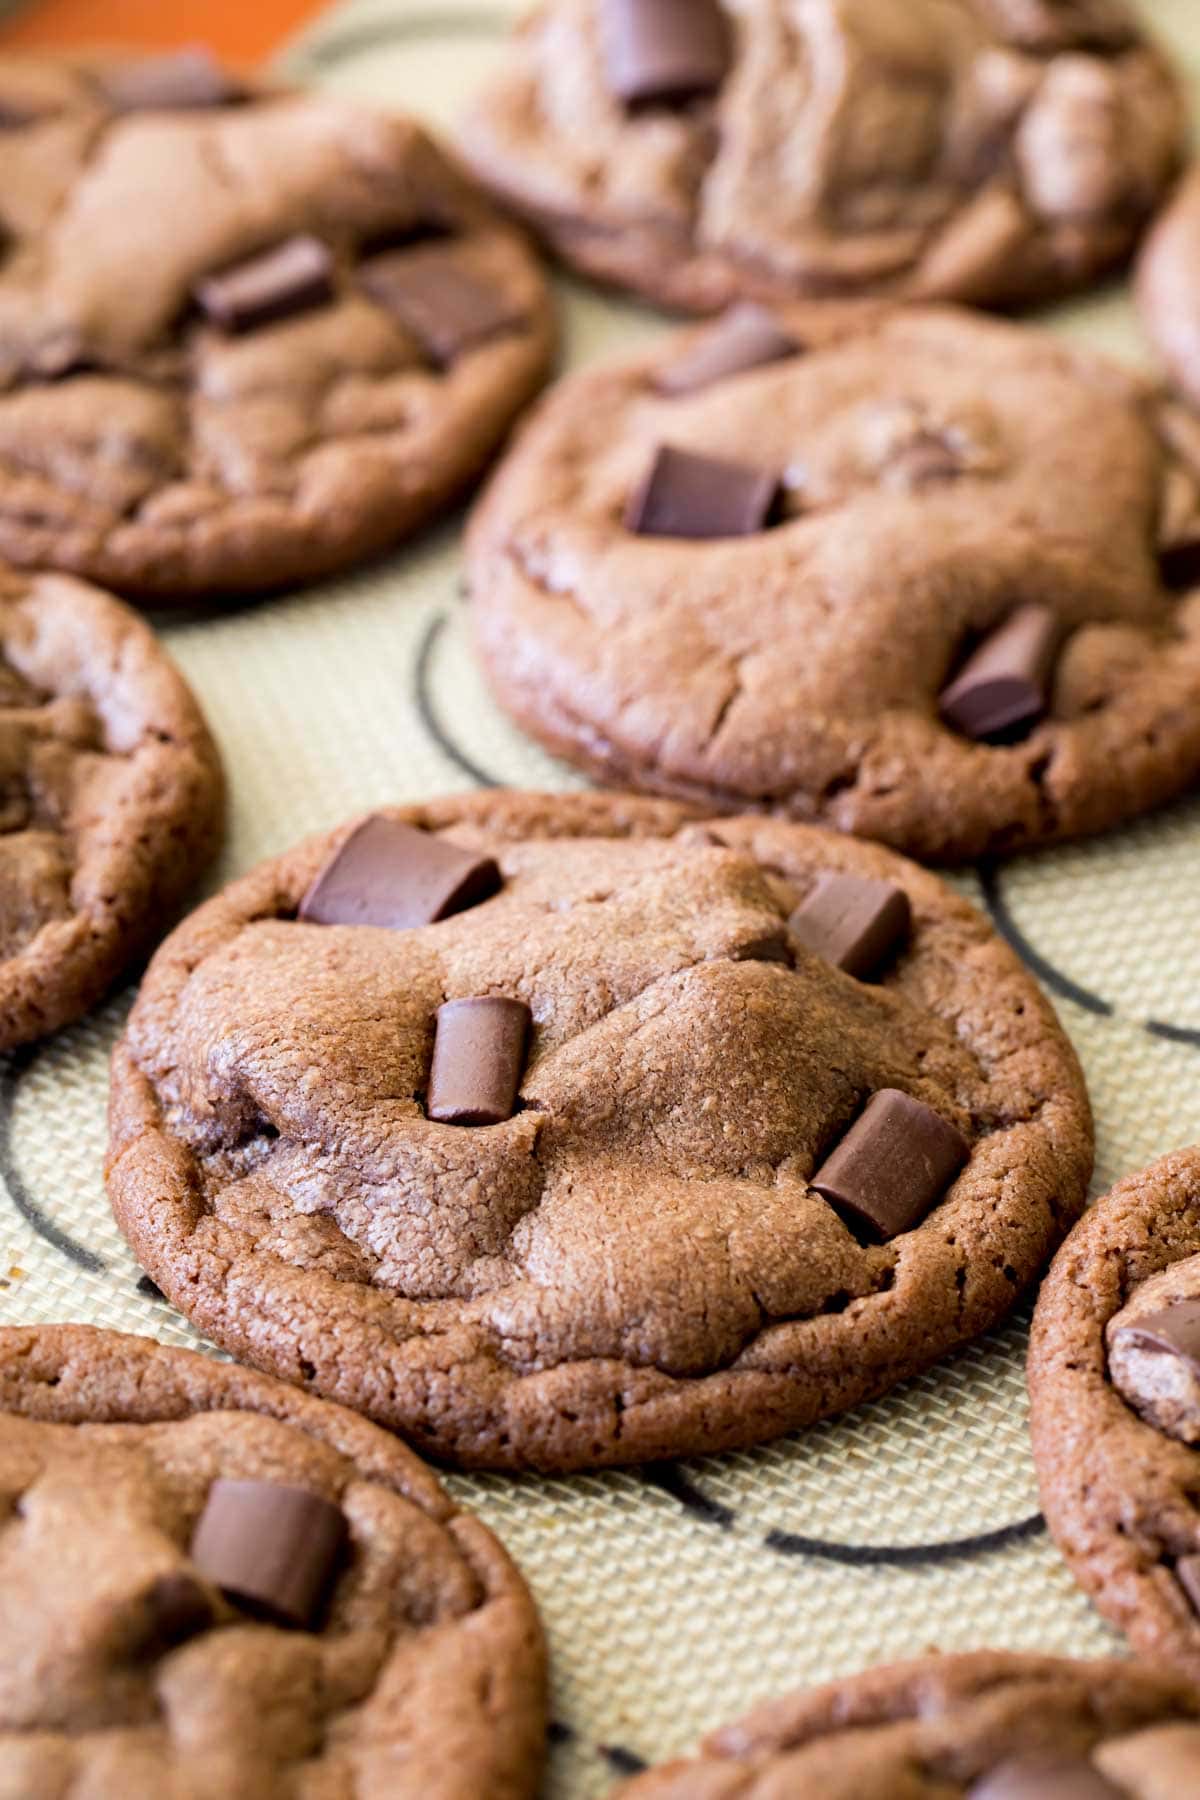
[559, 1131]
[1114, 1379]
[1168, 286]
[701, 151]
[111, 797]
[216, 1586]
[246, 338]
[918, 574]
[981, 1726]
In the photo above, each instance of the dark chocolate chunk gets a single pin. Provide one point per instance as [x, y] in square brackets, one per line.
[270, 1549]
[853, 922]
[1045, 1777]
[181, 80]
[293, 277]
[686, 496]
[746, 337]
[391, 875]
[894, 1163]
[445, 309]
[478, 1060]
[1187, 1574]
[175, 1608]
[1002, 685]
[1175, 1331]
[664, 52]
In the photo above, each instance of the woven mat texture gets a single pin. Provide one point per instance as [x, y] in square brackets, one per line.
[676, 1597]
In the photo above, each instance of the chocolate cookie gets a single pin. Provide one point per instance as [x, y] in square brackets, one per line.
[1116, 1406]
[246, 338]
[111, 797]
[984, 1726]
[215, 1585]
[993, 151]
[1168, 286]
[917, 574]
[552, 1131]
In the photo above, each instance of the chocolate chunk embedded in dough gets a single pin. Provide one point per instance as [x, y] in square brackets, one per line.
[688, 496]
[478, 1057]
[894, 1163]
[1002, 686]
[270, 1548]
[664, 52]
[390, 875]
[292, 278]
[853, 922]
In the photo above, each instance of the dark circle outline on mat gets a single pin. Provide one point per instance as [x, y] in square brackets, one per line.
[425, 708]
[671, 1479]
[1010, 931]
[23, 1202]
[372, 34]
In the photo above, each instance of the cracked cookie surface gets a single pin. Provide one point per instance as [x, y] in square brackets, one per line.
[990, 151]
[111, 797]
[1119, 1493]
[634, 1263]
[934, 1728]
[937, 470]
[143, 446]
[423, 1676]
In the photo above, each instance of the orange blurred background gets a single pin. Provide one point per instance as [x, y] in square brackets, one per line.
[242, 30]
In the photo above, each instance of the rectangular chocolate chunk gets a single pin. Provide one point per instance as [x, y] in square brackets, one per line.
[689, 496]
[391, 875]
[270, 1548]
[292, 278]
[664, 52]
[748, 336]
[1001, 688]
[854, 922]
[445, 309]
[180, 80]
[478, 1060]
[895, 1162]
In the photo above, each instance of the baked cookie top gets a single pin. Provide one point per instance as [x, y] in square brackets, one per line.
[1115, 1391]
[1168, 286]
[554, 1133]
[215, 1585]
[919, 574]
[985, 1726]
[700, 151]
[111, 797]
[246, 336]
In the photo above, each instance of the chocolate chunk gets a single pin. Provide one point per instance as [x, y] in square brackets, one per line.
[1002, 685]
[686, 496]
[853, 922]
[445, 309]
[175, 1608]
[664, 52]
[1045, 1778]
[270, 1549]
[746, 337]
[478, 1060]
[893, 1164]
[391, 875]
[1175, 1331]
[1187, 1574]
[293, 277]
[179, 81]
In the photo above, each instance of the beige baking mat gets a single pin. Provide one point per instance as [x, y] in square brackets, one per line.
[674, 1598]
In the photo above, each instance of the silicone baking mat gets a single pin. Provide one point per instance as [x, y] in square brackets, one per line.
[674, 1596]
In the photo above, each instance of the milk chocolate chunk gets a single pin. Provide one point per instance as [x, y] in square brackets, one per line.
[1045, 1778]
[293, 277]
[894, 1163]
[445, 309]
[748, 336]
[1002, 685]
[664, 52]
[270, 1549]
[395, 876]
[478, 1060]
[687, 496]
[854, 922]
[181, 80]
[1154, 1362]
